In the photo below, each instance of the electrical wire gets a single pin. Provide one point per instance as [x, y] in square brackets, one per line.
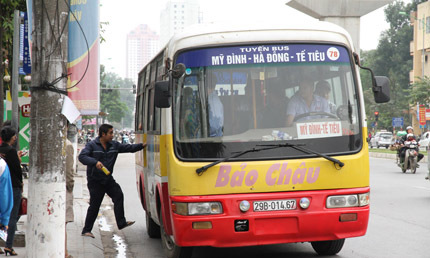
[86, 42]
[57, 45]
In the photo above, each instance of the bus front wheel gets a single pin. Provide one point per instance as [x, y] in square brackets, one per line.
[152, 228]
[331, 247]
[169, 246]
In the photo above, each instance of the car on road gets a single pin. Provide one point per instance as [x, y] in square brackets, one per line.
[382, 139]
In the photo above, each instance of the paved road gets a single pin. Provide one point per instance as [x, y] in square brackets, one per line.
[399, 224]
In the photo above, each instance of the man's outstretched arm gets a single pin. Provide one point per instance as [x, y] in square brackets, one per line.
[130, 147]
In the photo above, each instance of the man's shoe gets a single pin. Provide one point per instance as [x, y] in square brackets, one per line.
[128, 223]
[88, 234]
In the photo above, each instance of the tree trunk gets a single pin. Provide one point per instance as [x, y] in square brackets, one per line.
[45, 235]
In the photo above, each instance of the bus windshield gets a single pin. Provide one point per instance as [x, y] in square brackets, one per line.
[234, 98]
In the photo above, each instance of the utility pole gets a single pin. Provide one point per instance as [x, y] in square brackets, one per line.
[45, 236]
[15, 74]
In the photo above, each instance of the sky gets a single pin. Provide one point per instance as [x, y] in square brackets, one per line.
[124, 16]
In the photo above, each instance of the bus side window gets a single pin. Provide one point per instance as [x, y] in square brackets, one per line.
[140, 104]
[190, 115]
[154, 114]
[149, 110]
[141, 109]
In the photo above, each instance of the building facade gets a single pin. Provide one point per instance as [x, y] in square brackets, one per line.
[176, 16]
[142, 44]
[420, 50]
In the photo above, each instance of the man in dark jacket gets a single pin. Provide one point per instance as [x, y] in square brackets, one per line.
[100, 154]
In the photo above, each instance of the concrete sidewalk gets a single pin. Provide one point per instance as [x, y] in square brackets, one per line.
[77, 245]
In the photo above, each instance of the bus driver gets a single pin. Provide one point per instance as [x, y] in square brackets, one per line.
[304, 101]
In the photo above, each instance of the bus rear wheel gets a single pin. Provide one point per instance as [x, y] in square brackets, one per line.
[152, 228]
[331, 247]
[169, 246]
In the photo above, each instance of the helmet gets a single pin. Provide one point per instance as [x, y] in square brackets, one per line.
[409, 127]
[409, 136]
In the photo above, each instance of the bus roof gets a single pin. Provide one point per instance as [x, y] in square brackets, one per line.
[212, 34]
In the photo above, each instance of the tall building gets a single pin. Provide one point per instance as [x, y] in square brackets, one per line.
[142, 45]
[177, 16]
[419, 49]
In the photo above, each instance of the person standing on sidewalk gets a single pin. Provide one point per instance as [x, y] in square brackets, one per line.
[6, 196]
[13, 160]
[99, 156]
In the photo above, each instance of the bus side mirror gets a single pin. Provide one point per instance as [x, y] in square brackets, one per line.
[162, 94]
[381, 90]
[178, 71]
[380, 84]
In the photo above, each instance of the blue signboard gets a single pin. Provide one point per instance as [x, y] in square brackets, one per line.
[397, 122]
[264, 54]
[27, 54]
[24, 48]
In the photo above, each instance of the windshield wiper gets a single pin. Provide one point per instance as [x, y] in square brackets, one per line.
[306, 150]
[200, 171]
[299, 147]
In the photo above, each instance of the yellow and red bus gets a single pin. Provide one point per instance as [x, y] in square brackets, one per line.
[224, 166]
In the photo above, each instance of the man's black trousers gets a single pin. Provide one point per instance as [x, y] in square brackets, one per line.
[97, 192]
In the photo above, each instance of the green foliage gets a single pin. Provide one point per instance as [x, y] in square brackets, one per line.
[118, 103]
[392, 59]
[102, 31]
[419, 92]
[112, 104]
[7, 8]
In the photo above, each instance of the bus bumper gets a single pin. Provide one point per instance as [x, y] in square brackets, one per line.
[316, 223]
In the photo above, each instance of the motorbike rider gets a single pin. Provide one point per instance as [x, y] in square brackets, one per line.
[408, 137]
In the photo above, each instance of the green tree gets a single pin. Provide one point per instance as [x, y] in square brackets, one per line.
[129, 99]
[419, 93]
[392, 59]
[118, 103]
[7, 7]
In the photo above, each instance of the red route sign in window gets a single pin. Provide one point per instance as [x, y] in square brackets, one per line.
[422, 114]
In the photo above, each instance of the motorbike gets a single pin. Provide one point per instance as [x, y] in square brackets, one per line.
[411, 157]
[125, 139]
[80, 139]
[88, 138]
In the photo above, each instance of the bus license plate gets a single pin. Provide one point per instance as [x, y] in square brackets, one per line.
[276, 205]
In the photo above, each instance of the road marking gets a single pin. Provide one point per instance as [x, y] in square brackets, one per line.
[422, 187]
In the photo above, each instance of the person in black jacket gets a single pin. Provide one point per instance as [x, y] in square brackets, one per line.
[100, 154]
[13, 160]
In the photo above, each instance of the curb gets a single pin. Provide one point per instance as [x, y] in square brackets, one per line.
[393, 156]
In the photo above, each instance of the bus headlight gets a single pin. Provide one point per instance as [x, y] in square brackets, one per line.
[244, 206]
[352, 200]
[197, 208]
[364, 199]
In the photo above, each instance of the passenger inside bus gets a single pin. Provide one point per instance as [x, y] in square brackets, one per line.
[215, 109]
[274, 113]
[304, 101]
[243, 112]
[323, 89]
